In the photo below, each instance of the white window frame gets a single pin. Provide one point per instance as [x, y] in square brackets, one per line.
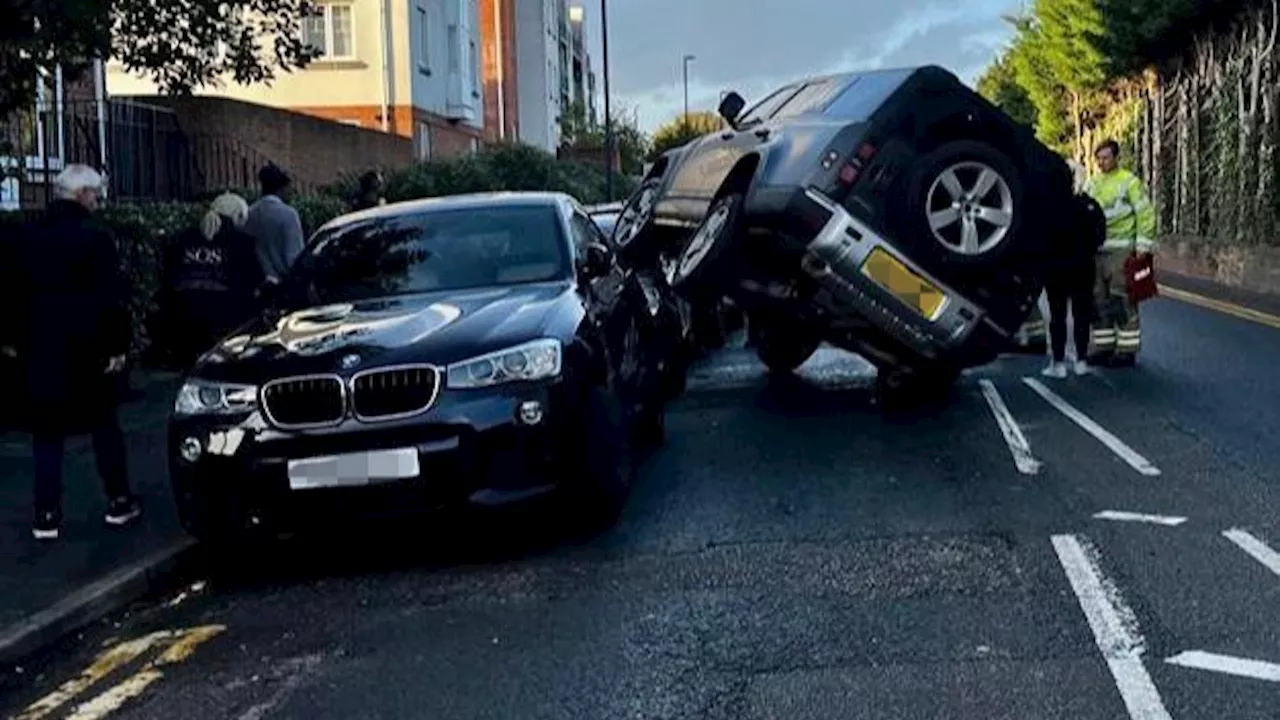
[326, 12]
[424, 38]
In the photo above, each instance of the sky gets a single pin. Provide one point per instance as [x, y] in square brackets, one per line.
[753, 46]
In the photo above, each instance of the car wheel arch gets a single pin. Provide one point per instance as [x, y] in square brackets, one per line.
[741, 177]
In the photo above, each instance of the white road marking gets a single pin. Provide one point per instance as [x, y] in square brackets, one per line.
[1026, 463]
[1114, 629]
[1113, 443]
[1124, 516]
[1240, 667]
[1257, 549]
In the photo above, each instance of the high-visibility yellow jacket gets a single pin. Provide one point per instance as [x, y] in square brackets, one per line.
[1131, 218]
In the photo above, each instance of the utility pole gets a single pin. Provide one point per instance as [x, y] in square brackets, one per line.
[687, 60]
[608, 114]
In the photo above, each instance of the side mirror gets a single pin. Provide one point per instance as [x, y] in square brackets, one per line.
[597, 261]
[731, 107]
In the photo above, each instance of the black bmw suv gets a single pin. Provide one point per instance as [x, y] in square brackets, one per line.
[895, 213]
[471, 350]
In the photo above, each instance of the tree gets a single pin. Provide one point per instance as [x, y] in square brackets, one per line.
[577, 131]
[683, 130]
[181, 45]
[999, 84]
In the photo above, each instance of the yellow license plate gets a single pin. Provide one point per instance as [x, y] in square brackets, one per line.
[893, 275]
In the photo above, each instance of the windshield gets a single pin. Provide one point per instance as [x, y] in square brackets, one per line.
[432, 251]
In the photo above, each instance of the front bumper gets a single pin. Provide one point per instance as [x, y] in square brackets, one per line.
[956, 333]
[477, 447]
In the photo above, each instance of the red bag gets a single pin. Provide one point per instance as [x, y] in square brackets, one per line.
[1140, 277]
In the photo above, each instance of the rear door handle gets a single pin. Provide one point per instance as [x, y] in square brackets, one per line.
[727, 135]
[762, 133]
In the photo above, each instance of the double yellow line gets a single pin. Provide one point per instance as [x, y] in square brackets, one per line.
[1244, 313]
[178, 645]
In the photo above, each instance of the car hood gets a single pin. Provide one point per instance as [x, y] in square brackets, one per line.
[438, 328]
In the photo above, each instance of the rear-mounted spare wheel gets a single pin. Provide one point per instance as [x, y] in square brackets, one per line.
[965, 205]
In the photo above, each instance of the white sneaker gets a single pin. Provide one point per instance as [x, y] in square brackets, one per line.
[1055, 370]
[1081, 367]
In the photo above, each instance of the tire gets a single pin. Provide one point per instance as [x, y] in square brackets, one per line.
[633, 233]
[996, 215]
[708, 259]
[600, 453]
[782, 348]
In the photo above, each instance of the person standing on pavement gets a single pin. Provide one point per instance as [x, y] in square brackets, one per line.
[211, 273]
[71, 305]
[1131, 226]
[274, 224]
[371, 191]
[1070, 283]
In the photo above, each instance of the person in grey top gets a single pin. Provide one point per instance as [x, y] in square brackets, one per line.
[274, 225]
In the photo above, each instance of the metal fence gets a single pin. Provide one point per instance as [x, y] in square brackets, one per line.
[146, 155]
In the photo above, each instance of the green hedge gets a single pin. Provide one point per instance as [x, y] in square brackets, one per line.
[141, 229]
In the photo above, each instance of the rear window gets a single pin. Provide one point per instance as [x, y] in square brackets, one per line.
[865, 93]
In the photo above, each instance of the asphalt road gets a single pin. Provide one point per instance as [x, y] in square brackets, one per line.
[792, 553]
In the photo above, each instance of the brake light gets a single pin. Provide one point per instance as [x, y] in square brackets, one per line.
[848, 174]
[866, 152]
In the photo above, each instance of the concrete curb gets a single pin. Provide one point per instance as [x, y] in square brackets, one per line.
[92, 602]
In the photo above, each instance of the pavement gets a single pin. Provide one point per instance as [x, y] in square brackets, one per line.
[1099, 547]
[48, 589]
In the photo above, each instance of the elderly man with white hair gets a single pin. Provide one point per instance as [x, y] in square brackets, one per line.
[73, 334]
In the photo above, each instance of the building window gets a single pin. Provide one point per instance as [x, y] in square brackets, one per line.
[424, 41]
[424, 141]
[475, 145]
[455, 49]
[331, 31]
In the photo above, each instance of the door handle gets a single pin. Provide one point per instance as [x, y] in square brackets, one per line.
[727, 135]
[762, 133]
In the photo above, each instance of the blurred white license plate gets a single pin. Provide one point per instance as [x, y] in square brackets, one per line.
[353, 469]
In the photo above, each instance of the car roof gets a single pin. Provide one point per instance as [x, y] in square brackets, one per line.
[467, 201]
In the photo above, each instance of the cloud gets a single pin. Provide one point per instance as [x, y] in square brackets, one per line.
[757, 46]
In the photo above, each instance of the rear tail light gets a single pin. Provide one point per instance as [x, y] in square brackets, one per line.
[851, 170]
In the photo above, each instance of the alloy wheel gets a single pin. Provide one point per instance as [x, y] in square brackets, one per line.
[703, 240]
[970, 209]
[635, 216]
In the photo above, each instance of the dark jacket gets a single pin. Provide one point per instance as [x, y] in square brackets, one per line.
[70, 307]
[209, 287]
[1082, 231]
[366, 200]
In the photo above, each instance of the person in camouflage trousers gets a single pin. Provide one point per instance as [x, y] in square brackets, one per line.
[1131, 226]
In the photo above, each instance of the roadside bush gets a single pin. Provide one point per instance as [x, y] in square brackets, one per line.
[141, 229]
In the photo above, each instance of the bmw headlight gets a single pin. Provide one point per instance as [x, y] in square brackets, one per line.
[204, 397]
[531, 361]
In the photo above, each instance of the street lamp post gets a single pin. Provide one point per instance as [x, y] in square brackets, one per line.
[608, 115]
[687, 60]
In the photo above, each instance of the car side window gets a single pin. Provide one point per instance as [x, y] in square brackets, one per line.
[765, 109]
[812, 97]
[867, 92]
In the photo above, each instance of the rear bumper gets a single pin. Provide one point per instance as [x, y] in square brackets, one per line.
[956, 333]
